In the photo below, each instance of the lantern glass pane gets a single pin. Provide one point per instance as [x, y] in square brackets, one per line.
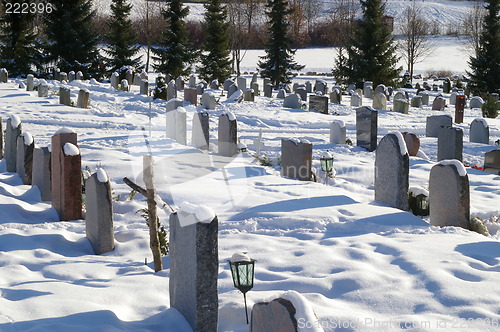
[243, 274]
[234, 274]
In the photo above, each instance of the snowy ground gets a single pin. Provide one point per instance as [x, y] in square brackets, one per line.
[362, 266]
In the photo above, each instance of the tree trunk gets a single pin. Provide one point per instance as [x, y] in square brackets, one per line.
[154, 241]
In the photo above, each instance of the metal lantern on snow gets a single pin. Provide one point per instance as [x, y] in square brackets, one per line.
[242, 271]
[422, 205]
[326, 161]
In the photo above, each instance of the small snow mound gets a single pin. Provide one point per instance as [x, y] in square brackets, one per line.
[93, 81]
[305, 141]
[240, 257]
[204, 214]
[102, 176]
[308, 322]
[401, 140]
[27, 137]
[64, 130]
[458, 165]
[187, 207]
[15, 121]
[415, 191]
[71, 149]
[326, 155]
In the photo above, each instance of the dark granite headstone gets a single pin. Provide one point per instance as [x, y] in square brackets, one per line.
[11, 135]
[64, 96]
[24, 159]
[318, 103]
[301, 91]
[492, 162]
[449, 197]
[460, 108]
[99, 215]
[392, 172]
[268, 90]
[434, 123]
[194, 265]
[416, 101]
[296, 159]
[191, 95]
[366, 127]
[336, 96]
[450, 143]
[200, 131]
[227, 135]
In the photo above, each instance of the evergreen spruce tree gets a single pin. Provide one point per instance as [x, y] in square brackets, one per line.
[71, 39]
[175, 53]
[19, 52]
[371, 52]
[121, 37]
[278, 64]
[215, 60]
[485, 65]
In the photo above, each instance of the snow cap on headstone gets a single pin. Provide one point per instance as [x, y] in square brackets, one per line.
[64, 130]
[15, 121]
[71, 149]
[101, 175]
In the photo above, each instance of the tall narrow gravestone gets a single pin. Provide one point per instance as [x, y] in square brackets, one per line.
[4, 75]
[449, 197]
[268, 90]
[241, 82]
[337, 132]
[194, 264]
[200, 131]
[99, 216]
[176, 127]
[115, 79]
[30, 82]
[479, 131]
[1, 138]
[12, 132]
[83, 98]
[144, 87]
[64, 96]
[366, 127]
[459, 108]
[318, 103]
[41, 172]
[227, 134]
[450, 143]
[66, 189]
[296, 159]
[24, 165]
[392, 165]
[71, 76]
[435, 122]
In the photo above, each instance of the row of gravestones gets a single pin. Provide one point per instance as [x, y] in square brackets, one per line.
[83, 99]
[176, 128]
[130, 79]
[56, 171]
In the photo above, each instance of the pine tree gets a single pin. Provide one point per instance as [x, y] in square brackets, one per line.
[371, 52]
[175, 52]
[71, 39]
[215, 61]
[120, 37]
[485, 65]
[19, 52]
[278, 64]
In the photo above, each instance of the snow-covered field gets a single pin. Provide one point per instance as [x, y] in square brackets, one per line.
[362, 266]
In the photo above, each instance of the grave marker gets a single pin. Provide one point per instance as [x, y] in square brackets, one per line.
[200, 131]
[64, 96]
[492, 162]
[24, 158]
[41, 172]
[293, 100]
[438, 104]
[338, 132]
[459, 108]
[83, 98]
[379, 101]
[450, 143]
[227, 134]
[176, 128]
[479, 131]
[191, 95]
[12, 132]
[318, 103]
[366, 127]
[435, 122]
[296, 159]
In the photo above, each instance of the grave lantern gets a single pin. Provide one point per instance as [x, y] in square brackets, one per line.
[242, 271]
[326, 161]
[422, 205]
[242, 147]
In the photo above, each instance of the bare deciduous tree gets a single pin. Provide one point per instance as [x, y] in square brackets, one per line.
[415, 44]
[473, 26]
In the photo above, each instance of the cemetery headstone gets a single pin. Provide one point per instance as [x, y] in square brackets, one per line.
[412, 143]
[12, 132]
[449, 196]
[192, 81]
[83, 98]
[476, 102]
[144, 87]
[254, 78]
[450, 143]
[65, 171]
[268, 90]
[124, 86]
[435, 122]
[400, 95]
[208, 100]
[453, 98]
[492, 162]
[232, 89]
[277, 315]
[179, 83]
[241, 82]
[321, 86]
[336, 96]
[115, 79]
[281, 94]
[191, 95]
[41, 172]
[479, 131]
[129, 76]
[64, 96]
[308, 86]
[137, 79]
[71, 76]
[248, 95]
[227, 134]
[200, 88]
[236, 97]
[99, 216]
[171, 90]
[63, 76]
[4, 75]
[380, 89]
[194, 265]
[176, 128]
[293, 100]
[43, 89]
[318, 103]
[79, 75]
[416, 101]
[368, 89]
[301, 91]
[392, 165]
[227, 83]
[366, 127]
[446, 85]
[296, 159]
[438, 104]
[30, 82]
[425, 98]
[24, 158]
[379, 101]
[200, 130]
[401, 106]
[173, 104]
[255, 88]
[338, 132]
[356, 100]
[459, 108]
